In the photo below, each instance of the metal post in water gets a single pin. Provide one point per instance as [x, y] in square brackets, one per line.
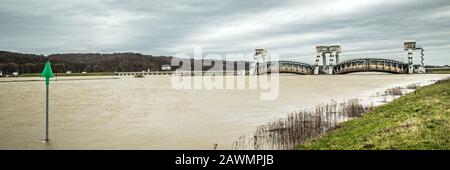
[46, 110]
[47, 73]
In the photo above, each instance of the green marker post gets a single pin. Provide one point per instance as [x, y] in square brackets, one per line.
[47, 73]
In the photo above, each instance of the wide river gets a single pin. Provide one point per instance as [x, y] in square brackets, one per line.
[147, 113]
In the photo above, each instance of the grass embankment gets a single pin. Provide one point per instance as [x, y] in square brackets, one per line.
[72, 74]
[419, 120]
[439, 71]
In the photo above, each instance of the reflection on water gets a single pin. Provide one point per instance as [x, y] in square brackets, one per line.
[146, 113]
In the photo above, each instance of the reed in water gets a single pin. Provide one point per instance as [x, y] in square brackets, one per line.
[297, 127]
[396, 91]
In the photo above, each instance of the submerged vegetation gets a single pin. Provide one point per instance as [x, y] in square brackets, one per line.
[300, 126]
[419, 120]
[396, 91]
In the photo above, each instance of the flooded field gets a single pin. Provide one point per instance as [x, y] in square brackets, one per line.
[147, 113]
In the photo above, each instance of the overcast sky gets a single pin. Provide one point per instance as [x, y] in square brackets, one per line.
[288, 28]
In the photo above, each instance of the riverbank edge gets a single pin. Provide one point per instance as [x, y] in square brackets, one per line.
[437, 71]
[71, 74]
[418, 120]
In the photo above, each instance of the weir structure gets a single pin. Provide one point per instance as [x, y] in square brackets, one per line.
[410, 45]
[259, 57]
[331, 53]
[322, 50]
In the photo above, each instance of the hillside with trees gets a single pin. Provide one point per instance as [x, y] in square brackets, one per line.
[94, 62]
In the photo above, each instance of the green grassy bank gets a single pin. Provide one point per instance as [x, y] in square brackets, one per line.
[419, 120]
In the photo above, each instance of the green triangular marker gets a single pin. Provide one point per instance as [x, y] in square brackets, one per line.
[47, 72]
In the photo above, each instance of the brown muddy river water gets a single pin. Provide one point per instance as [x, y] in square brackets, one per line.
[147, 113]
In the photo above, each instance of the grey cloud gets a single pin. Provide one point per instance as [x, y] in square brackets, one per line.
[290, 28]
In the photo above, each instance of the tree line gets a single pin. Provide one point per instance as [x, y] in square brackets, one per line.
[97, 62]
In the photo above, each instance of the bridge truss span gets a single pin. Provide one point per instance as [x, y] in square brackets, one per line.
[371, 65]
[285, 67]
